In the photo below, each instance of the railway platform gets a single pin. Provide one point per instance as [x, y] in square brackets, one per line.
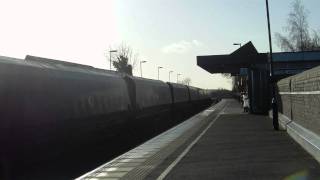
[221, 142]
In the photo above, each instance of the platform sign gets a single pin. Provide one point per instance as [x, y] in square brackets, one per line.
[243, 71]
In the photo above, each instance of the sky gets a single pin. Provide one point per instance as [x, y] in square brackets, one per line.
[167, 33]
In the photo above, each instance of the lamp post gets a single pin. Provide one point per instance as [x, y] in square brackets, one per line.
[178, 77]
[159, 67]
[274, 100]
[170, 74]
[237, 44]
[111, 51]
[141, 67]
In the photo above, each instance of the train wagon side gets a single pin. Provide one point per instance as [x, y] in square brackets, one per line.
[153, 105]
[194, 98]
[204, 98]
[53, 108]
[181, 102]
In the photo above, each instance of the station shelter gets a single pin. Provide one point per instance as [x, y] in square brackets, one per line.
[252, 68]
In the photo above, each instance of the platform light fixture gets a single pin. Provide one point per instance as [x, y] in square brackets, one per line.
[178, 77]
[141, 67]
[237, 44]
[275, 121]
[159, 67]
[170, 74]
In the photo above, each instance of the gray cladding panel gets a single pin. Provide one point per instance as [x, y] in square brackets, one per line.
[303, 108]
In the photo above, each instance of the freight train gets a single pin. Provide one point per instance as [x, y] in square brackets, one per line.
[52, 108]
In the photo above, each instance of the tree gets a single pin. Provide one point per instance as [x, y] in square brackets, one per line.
[235, 80]
[125, 60]
[298, 38]
[226, 75]
[186, 81]
[235, 83]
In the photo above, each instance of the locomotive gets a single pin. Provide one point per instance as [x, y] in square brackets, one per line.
[52, 108]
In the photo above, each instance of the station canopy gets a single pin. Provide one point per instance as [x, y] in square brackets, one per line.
[243, 57]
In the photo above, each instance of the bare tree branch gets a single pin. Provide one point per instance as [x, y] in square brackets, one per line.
[125, 60]
[298, 38]
[226, 75]
[186, 81]
[284, 43]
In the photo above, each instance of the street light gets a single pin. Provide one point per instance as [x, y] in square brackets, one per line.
[111, 51]
[178, 77]
[159, 67]
[170, 74]
[275, 121]
[141, 67]
[237, 44]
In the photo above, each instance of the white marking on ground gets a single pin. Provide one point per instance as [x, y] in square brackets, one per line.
[178, 159]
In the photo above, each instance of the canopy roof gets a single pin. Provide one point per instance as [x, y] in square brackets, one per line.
[243, 57]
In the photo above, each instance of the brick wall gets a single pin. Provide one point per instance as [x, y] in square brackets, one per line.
[301, 106]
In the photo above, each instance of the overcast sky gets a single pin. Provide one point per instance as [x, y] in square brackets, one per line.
[168, 33]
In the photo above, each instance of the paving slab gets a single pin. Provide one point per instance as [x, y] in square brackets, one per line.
[244, 146]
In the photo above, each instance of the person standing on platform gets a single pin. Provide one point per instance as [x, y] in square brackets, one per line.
[245, 103]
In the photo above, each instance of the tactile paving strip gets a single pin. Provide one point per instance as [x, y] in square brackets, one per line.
[140, 161]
